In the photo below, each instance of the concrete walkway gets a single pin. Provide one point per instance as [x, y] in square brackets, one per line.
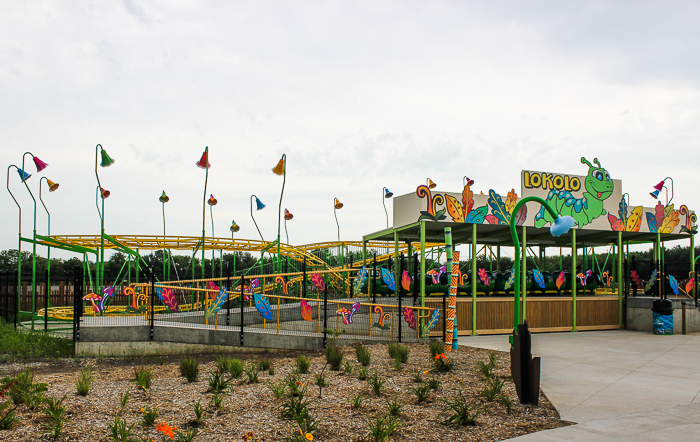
[616, 385]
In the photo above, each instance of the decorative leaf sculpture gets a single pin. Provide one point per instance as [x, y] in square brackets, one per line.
[561, 279]
[510, 281]
[689, 286]
[467, 200]
[635, 277]
[318, 281]
[454, 208]
[405, 281]
[674, 284]
[477, 215]
[212, 286]
[263, 306]
[409, 317]
[634, 222]
[511, 200]
[388, 278]
[538, 277]
[360, 280]
[431, 321]
[498, 208]
[306, 311]
[521, 216]
[216, 305]
[484, 277]
[169, 299]
[652, 280]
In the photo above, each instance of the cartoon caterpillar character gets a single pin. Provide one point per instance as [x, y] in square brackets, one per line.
[584, 210]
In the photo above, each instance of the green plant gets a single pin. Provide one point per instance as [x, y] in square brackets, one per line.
[252, 372]
[302, 363]
[7, 418]
[356, 401]
[362, 373]
[422, 392]
[363, 355]
[433, 383]
[18, 344]
[84, 381]
[492, 359]
[376, 383]
[460, 410]
[393, 350]
[404, 352]
[222, 364]
[217, 400]
[493, 389]
[271, 371]
[277, 389]
[198, 412]
[398, 351]
[121, 432]
[295, 384]
[507, 402]
[149, 415]
[189, 368]
[294, 406]
[443, 364]
[143, 377]
[56, 411]
[235, 368]
[23, 390]
[334, 357]
[485, 369]
[265, 364]
[123, 400]
[186, 437]
[394, 406]
[418, 376]
[217, 382]
[320, 380]
[381, 428]
[347, 367]
[397, 363]
[436, 348]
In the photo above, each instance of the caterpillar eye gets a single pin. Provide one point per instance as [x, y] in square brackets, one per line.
[607, 176]
[598, 175]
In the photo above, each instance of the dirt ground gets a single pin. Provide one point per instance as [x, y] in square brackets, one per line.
[252, 406]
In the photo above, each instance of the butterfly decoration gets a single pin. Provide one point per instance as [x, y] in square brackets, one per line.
[92, 297]
[689, 285]
[169, 299]
[211, 286]
[636, 279]
[388, 278]
[263, 306]
[361, 280]
[382, 318]
[434, 274]
[584, 277]
[216, 305]
[306, 311]
[405, 281]
[561, 279]
[318, 281]
[538, 277]
[432, 321]
[409, 317]
[510, 281]
[347, 313]
[674, 284]
[484, 277]
[652, 280]
[285, 285]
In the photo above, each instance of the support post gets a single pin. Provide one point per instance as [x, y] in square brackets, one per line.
[523, 265]
[574, 252]
[452, 306]
[474, 279]
[619, 282]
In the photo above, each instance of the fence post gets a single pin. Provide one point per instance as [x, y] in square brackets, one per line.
[77, 301]
[240, 302]
[444, 321]
[374, 279]
[228, 294]
[47, 291]
[16, 303]
[325, 313]
[415, 279]
[153, 299]
[350, 279]
[303, 280]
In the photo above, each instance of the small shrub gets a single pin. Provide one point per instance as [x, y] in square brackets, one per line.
[485, 369]
[422, 392]
[189, 368]
[302, 363]
[123, 401]
[295, 384]
[121, 432]
[8, 419]
[461, 411]
[271, 371]
[404, 352]
[380, 428]
[433, 383]
[217, 400]
[320, 380]
[23, 390]
[222, 364]
[394, 406]
[186, 437]
[492, 359]
[143, 377]
[278, 389]
[217, 382]
[253, 373]
[418, 376]
[397, 363]
[356, 401]
[443, 364]
[149, 415]
[376, 383]
[362, 373]
[235, 368]
[265, 364]
[363, 355]
[295, 406]
[347, 367]
[198, 412]
[84, 381]
[56, 411]
[507, 402]
[393, 350]
[436, 348]
[493, 389]
[334, 357]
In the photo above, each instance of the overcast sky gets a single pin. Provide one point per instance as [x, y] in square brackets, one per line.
[358, 94]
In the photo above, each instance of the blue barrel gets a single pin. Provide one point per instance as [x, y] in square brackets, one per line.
[662, 310]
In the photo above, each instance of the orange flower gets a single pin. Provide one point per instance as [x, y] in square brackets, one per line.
[167, 430]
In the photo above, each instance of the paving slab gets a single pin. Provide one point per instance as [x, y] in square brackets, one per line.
[616, 385]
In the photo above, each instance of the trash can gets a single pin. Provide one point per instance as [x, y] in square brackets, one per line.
[662, 311]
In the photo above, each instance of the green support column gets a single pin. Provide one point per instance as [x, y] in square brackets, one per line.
[138, 265]
[422, 264]
[498, 258]
[524, 274]
[397, 264]
[474, 280]
[619, 272]
[574, 252]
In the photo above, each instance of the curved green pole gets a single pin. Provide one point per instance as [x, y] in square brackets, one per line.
[285, 230]
[516, 244]
[251, 215]
[164, 277]
[99, 268]
[98, 193]
[19, 247]
[336, 220]
[383, 204]
[279, 213]
[48, 259]
[33, 244]
[211, 213]
[204, 206]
